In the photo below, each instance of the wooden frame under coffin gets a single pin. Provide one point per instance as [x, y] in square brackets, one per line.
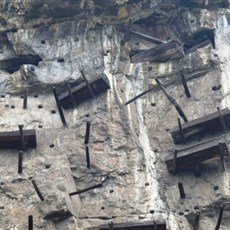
[81, 92]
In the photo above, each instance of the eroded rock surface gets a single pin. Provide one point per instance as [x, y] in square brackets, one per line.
[48, 43]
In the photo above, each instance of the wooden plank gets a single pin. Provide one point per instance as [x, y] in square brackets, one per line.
[209, 124]
[141, 36]
[196, 47]
[159, 53]
[149, 225]
[12, 140]
[203, 151]
[81, 92]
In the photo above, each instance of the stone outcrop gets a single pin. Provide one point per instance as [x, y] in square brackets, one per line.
[47, 43]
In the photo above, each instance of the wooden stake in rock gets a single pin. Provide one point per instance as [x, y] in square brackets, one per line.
[59, 107]
[37, 190]
[172, 101]
[186, 89]
[87, 132]
[86, 189]
[25, 99]
[87, 157]
[20, 157]
[139, 95]
[30, 222]
[181, 190]
[197, 219]
[220, 218]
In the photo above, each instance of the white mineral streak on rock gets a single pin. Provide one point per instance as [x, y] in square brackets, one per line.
[222, 40]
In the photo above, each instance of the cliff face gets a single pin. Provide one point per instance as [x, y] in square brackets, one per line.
[47, 43]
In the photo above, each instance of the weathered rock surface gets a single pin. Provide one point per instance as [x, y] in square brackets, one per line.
[48, 43]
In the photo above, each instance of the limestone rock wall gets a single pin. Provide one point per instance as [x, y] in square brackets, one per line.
[47, 43]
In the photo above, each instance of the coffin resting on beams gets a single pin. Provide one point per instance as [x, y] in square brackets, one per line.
[12, 139]
[190, 156]
[160, 53]
[135, 226]
[82, 92]
[209, 124]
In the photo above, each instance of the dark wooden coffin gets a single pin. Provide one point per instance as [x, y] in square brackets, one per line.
[135, 226]
[209, 124]
[12, 140]
[160, 53]
[194, 154]
[81, 92]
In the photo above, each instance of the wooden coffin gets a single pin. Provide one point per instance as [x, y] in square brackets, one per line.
[160, 53]
[135, 226]
[12, 140]
[194, 154]
[81, 92]
[209, 124]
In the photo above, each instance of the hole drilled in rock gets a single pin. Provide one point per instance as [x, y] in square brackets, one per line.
[61, 60]
[12, 65]
[111, 191]
[40, 106]
[43, 42]
[12, 107]
[153, 104]
[102, 208]
[6, 106]
[51, 145]
[40, 126]
[216, 187]
[152, 211]
[53, 111]
[146, 184]
[3, 96]
[216, 87]
[35, 95]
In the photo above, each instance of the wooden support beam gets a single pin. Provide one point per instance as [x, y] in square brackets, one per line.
[87, 132]
[196, 47]
[30, 222]
[111, 226]
[184, 83]
[221, 150]
[71, 94]
[88, 85]
[181, 130]
[196, 222]
[21, 137]
[160, 53]
[141, 36]
[82, 92]
[209, 124]
[87, 157]
[59, 107]
[25, 99]
[149, 225]
[172, 101]
[181, 190]
[139, 95]
[86, 189]
[13, 139]
[174, 162]
[219, 218]
[193, 155]
[20, 158]
[37, 190]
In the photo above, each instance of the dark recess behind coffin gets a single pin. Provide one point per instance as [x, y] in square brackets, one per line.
[14, 64]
